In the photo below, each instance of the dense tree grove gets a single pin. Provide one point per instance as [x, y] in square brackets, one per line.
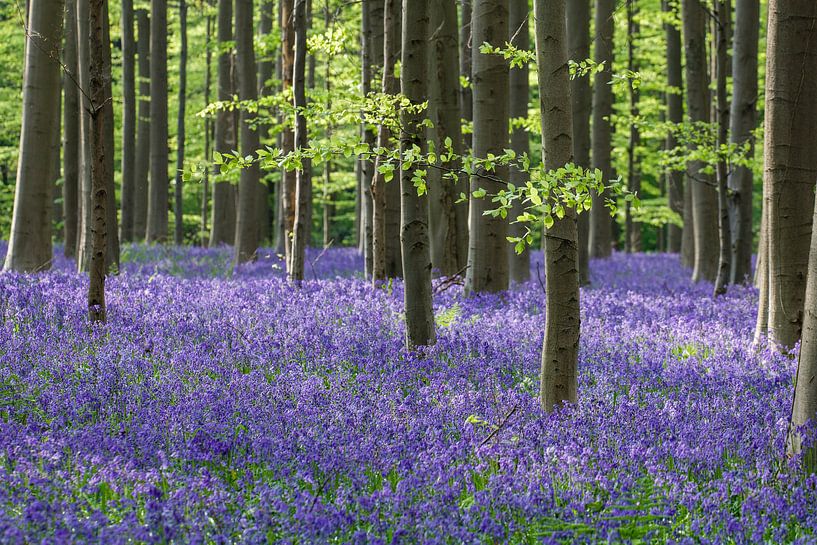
[458, 159]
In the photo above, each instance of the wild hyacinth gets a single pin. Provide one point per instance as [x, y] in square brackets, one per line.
[220, 407]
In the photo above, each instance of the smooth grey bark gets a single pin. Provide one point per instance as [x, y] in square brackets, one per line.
[249, 188]
[704, 194]
[466, 58]
[265, 72]
[224, 139]
[601, 235]
[30, 246]
[578, 40]
[449, 220]
[560, 352]
[518, 36]
[101, 148]
[488, 247]
[414, 233]
[158, 186]
[112, 239]
[743, 120]
[372, 58]
[128, 119]
[83, 78]
[675, 115]
[288, 136]
[178, 201]
[303, 185]
[722, 29]
[632, 227]
[790, 160]
[389, 85]
[142, 160]
[71, 134]
[203, 237]
[762, 273]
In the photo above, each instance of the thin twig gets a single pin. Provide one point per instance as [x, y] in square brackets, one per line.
[318, 493]
[507, 417]
[320, 255]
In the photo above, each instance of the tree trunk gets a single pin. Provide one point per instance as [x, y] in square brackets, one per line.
[390, 85]
[601, 235]
[128, 120]
[488, 247]
[101, 166]
[633, 228]
[84, 238]
[142, 161]
[560, 353]
[30, 243]
[158, 186]
[372, 35]
[414, 233]
[762, 274]
[205, 190]
[790, 160]
[704, 194]
[466, 58]
[71, 134]
[303, 190]
[224, 192]
[288, 137]
[578, 40]
[519, 36]
[743, 120]
[178, 201]
[675, 115]
[112, 253]
[246, 231]
[449, 243]
[724, 228]
[265, 73]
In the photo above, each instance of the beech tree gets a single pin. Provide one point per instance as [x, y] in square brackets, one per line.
[30, 247]
[71, 134]
[679, 196]
[158, 186]
[128, 120]
[633, 228]
[142, 160]
[178, 201]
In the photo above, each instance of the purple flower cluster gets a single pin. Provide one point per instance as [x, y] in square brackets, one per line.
[220, 407]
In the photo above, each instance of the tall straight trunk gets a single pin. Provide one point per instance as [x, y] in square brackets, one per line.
[178, 201]
[704, 194]
[519, 36]
[560, 353]
[394, 258]
[112, 240]
[389, 85]
[205, 190]
[466, 58]
[372, 58]
[724, 228]
[101, 166]
[249, 188]
[224, 192]
[288, 138]
[30, 243]
[303, 189]
[158, 186]
[675, 115]
[743, 120]
[71, 134]
[601, 233]
[488, 247]
[790, 160]
[142, 161]
[265, 72]
[414, 233]
[578, 40]
[449, 244]
[128, 120]
[633, 228]
[762, 273]
[83, 78]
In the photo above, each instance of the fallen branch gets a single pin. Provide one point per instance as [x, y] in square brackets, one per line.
[505, 419]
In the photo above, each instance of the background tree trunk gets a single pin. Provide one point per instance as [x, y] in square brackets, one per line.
[142, 161]
[246, 231]
[288, 137]
[128, 120]
[303, 190]
[790, 160]
[71, 133]
[158, 186]
[633, 228]
[704, 194]
[265, 73]
[675, 115]
[178, 201]
[205, 191]
[601, 236]
[112, 239]
[578, 40]
[488, 248]
[83, 77]
[30, 243]
[519, 93]
[560, 353]
[466, 58]
[224, 192]
[743, 120]
[414, 234]
[722, 26]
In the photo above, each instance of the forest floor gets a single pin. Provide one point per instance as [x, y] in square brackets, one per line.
[219, 408]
